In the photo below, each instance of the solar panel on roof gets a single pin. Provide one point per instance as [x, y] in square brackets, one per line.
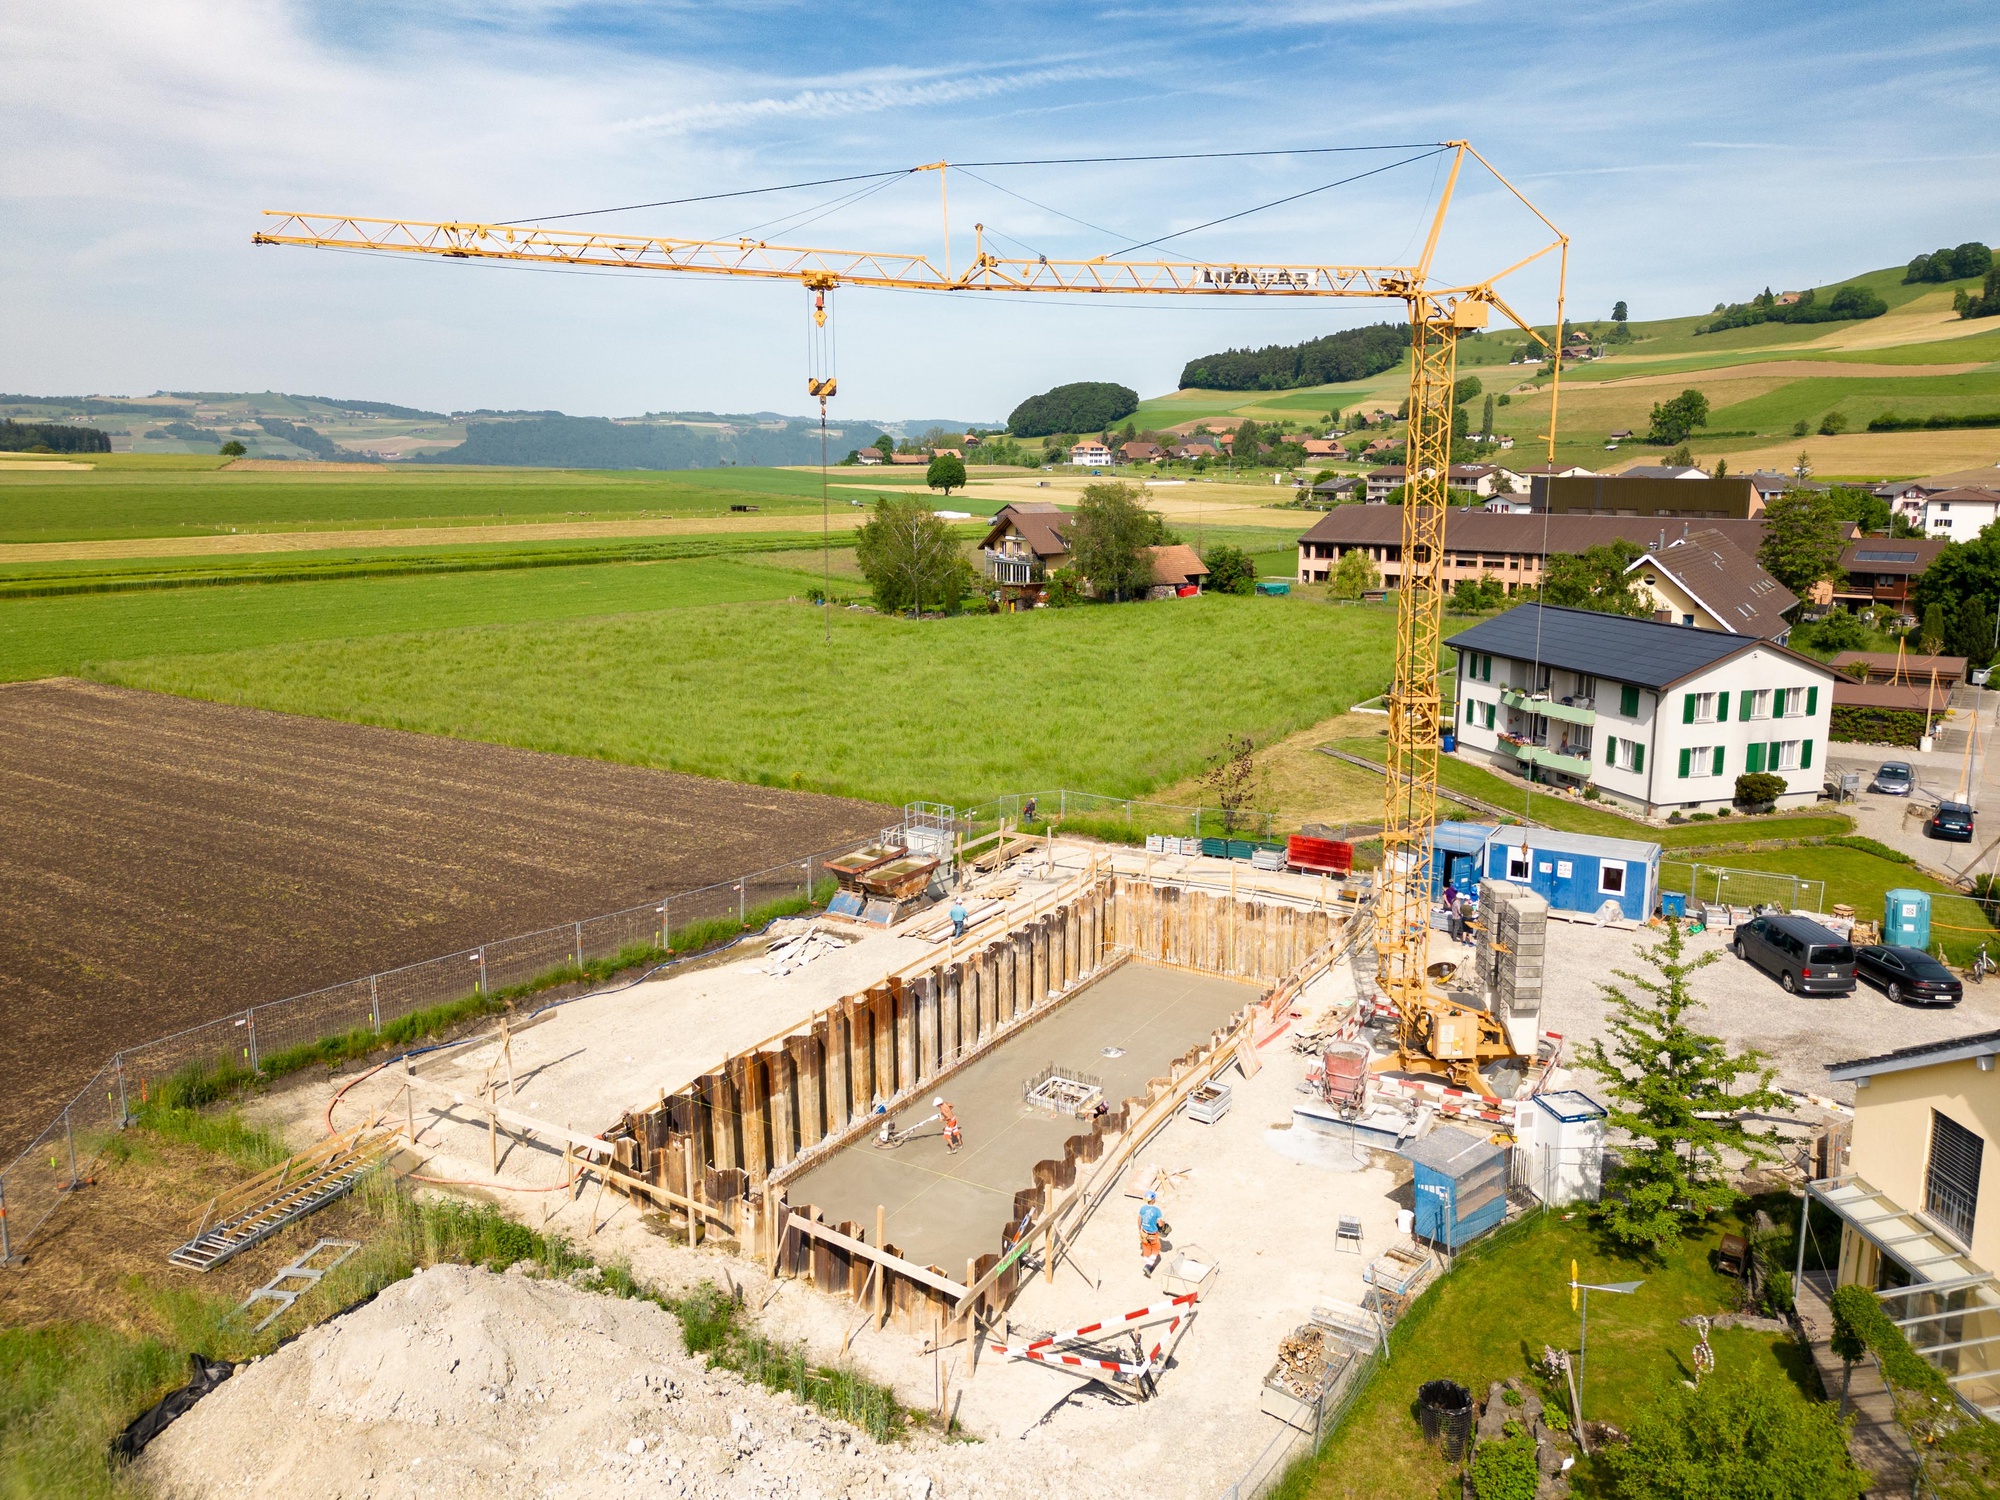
[1903, 557]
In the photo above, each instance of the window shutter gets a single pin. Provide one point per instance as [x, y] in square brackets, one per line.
[1489, 716]
[1628, 701]
[1610, 750]
[1722, 708]
[1805, 755]
[1753, 760]
[1686, 757]
[1744, 697]
[1718, 761]
[1774, 758]
[1638, 756]
[1687, 708]
[1812, 700]
[1485, 669]
[1471, 708]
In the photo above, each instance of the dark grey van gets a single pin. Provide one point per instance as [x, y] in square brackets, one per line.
[1803, 956]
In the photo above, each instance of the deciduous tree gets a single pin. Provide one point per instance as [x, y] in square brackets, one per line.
[946, 472]
[1673, 421]
[1733, 1437]
[1678, 1095]
[1230, 570]
[1802, 540]
[1109, 533]
[911, 559]
[1618, 312]
[1354, 574]
[1232, 776]
[1596, 578]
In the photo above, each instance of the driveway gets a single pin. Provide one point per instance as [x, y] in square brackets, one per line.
[1942, 775]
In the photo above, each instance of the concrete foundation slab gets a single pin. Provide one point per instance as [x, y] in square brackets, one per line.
[945, 1209]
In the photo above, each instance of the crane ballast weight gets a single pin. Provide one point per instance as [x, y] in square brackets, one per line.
[1435, 1032]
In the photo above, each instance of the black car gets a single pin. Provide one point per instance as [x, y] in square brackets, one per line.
[1953, 821]
[1908, 975]
[1807, 959]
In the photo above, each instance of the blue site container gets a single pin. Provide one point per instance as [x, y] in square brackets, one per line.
[1906, 919]
[1673, 904]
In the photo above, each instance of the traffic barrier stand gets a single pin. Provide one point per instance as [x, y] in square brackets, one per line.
[1137, 1372]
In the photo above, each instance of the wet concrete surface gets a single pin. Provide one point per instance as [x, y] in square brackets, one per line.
[944, 1209]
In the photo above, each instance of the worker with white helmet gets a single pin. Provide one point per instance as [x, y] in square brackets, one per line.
[953, 1138]
[1151, 1227]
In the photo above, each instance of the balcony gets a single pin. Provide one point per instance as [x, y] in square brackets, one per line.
[1011, 568]
[1569, 713]
[1531, 753]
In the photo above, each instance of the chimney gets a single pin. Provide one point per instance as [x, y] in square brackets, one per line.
[1684, 530]
[1661, 544]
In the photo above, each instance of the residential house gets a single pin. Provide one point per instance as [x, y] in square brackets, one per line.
[1910, 1200]
[1661, 471]
[1959, 515]
[1142, 452]
[1177, 570]
[1508, 505]
[869, 456]
[1090, 454]
[1480, 544]
[1482, 480]
[1342, 489]
[1531, 472]
[1026, 541]
[1701, 578]
[1650, 490]
[1380, 445]
[1906, 500]
[1879, 570]
[910, 458]
[1656, 717]
[1325, 448]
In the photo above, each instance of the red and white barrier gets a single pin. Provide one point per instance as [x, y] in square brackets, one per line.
[1046, 1348]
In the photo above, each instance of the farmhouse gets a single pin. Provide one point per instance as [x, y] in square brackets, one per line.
[1025, 541]
[1177, 571]
[1481, 544]
[1701, 578]
[1142, 452]
[1654, 716]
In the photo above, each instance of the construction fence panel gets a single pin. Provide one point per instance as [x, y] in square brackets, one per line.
[303, 1021]
[1294, 1445]
[1721, 885]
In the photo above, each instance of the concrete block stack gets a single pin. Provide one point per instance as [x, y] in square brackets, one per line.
[1513, 943]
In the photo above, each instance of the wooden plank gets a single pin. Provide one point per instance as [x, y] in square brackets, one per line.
[894, 1263]
[522, 1124]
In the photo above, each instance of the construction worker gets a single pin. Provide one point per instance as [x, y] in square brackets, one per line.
[1151, 1226]
[953, 1139]
[957, 917]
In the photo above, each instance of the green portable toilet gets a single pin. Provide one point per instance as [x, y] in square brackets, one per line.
[1906, 919]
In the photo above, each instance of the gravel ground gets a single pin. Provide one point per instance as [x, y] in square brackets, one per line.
[1801, 1034]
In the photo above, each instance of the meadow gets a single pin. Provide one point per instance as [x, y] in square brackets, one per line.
[1114, 699]
[46, 637]
[159, 497]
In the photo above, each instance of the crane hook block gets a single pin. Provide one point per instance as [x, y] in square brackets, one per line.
[822, 388]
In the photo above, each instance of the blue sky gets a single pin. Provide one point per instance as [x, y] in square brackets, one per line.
[1693, 152]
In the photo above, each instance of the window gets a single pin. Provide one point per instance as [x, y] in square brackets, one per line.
[1628, 700]
[1517, 864]
[1624, 755]
[1701, 760]
[1611, 879]
[1951, 1183]
[1787, 755]
[1698, 708]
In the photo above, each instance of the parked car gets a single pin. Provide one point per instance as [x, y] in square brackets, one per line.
[1893, 778]
[1953, 821]
[1908, 975]
[1806, 958]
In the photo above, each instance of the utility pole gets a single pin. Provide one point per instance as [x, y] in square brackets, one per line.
[1582, 1308]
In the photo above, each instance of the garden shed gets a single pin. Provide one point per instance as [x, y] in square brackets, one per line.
[1461, 1185]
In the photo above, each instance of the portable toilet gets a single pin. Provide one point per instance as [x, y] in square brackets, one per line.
[1906, 919]
[1562, 1136]
[1461, 1186]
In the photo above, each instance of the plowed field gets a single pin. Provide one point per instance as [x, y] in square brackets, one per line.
[164, 862]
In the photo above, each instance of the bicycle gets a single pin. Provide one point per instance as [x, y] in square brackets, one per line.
[1981, 965]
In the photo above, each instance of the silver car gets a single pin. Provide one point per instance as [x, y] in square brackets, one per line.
[1894, 778]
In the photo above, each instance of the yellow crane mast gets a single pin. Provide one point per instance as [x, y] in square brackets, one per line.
[1435, 1033]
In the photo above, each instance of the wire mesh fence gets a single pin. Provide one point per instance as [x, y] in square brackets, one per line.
[1292, 1444]
[1094, 813]
[1720, 885]
[276, 1036]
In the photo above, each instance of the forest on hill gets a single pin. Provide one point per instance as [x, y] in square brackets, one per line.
[1352, 354]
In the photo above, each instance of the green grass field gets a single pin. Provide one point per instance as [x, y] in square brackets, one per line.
[1115, 699]
[65, 635]
[195, 497]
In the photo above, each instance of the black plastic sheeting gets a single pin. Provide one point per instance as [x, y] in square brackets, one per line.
[205, 1375]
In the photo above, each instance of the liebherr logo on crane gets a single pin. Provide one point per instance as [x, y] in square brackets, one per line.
[1243, 276]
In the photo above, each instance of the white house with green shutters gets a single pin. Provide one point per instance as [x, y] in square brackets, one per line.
[1657, 717]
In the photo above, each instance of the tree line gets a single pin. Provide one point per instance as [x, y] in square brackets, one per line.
[1352, 354]
[1846, 304]
[51, 437]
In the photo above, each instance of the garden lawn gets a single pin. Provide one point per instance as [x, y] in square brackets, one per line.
[1107, 698]
[1574, 816]
[1491, 1318]
[44, 637]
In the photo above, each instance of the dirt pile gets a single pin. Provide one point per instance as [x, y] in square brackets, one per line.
[465, 1383]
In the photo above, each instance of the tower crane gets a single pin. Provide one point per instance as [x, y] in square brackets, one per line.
[1435, 1032]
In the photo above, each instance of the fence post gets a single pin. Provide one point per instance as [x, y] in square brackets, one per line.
[124, 1107]
[374, 1006]
[481, 990]
[1197, 822]
[742, 903]
[1062, 800]
[69, 1140]
[663, 925]
[7, 1256]
[579, 947]
[807, 866]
